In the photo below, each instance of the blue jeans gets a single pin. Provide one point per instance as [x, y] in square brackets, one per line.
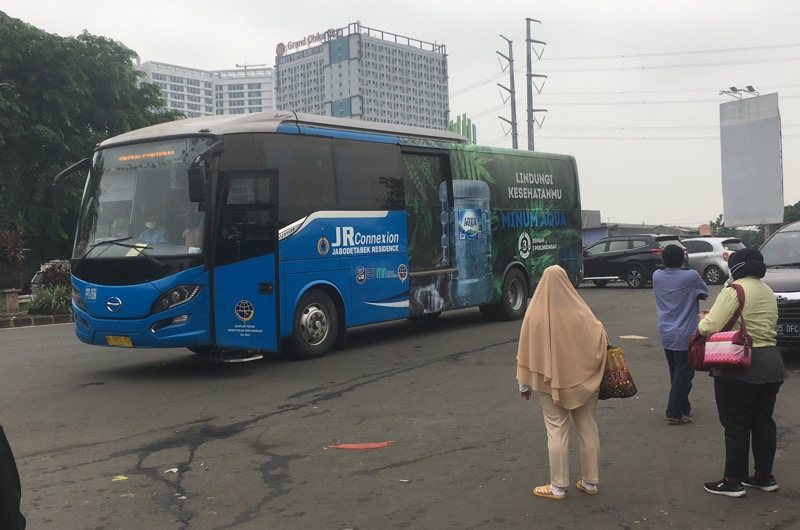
[680, 374]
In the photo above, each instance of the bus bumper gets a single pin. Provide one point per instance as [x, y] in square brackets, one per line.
[160, 331]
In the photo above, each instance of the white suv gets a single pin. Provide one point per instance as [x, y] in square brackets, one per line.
[709, 256]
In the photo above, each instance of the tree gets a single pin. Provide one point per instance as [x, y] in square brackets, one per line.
[59, 97]
[751, 238]
[791, 213]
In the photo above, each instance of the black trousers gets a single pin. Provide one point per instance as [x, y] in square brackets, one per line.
[745, 411]
[10, 493]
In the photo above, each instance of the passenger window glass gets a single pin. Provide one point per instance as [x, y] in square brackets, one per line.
[596, 249]
[305, 166]
[637, 243]
[704, 246]
[368, 176]
[617, 245]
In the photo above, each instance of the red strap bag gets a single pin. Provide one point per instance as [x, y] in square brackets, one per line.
[725, 348]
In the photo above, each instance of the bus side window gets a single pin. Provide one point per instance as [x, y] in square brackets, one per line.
[368, 176]
[306, 168]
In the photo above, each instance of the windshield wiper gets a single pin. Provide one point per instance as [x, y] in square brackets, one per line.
[119, 243]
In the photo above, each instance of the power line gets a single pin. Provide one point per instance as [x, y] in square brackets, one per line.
[627, 138]
[475, 85]
[645, 127]
[612, 103]
[666, 54]
[654, 67]
[671, 66]
[642, 102]
[657, 91]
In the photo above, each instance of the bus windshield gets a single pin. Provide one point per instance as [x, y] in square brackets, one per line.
[136, 202]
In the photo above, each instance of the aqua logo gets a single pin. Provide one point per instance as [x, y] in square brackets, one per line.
[469, 224]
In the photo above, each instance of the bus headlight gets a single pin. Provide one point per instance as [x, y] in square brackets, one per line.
[174, 297]
[77, 298]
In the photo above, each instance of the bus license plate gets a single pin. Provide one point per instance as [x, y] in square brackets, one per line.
[116, 340]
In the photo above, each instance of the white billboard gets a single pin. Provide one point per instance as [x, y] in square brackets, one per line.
[752, 169]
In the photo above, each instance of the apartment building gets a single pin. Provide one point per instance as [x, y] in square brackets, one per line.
[206, 93]
[363, 73]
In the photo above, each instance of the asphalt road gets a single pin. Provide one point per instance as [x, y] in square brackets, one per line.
[118, 439]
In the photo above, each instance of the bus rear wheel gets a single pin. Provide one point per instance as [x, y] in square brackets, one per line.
[315, 325]
[513, 301]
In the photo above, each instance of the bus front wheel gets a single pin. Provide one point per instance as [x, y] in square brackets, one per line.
[315, 325]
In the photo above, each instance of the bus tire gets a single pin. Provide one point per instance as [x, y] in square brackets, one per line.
[315, 325]
[513, 301]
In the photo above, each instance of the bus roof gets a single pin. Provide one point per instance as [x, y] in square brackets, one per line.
[268, 122]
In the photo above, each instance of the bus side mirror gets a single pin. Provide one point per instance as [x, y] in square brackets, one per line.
[58, 185]
[197, 183]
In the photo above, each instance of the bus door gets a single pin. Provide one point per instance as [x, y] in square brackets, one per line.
[428, 190]
[245, 261]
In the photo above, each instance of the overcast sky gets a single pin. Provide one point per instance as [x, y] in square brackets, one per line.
[632, 89]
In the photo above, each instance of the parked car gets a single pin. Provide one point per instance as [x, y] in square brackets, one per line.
[782, 256]
[35, 283]
[709, 256]
[632, 258]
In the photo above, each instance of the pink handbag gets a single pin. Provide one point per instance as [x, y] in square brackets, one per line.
[726, 349]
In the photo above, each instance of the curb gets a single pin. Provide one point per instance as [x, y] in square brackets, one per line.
[22, 320]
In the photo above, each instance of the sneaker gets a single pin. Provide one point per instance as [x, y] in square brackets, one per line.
[679, 421]
[767, 484]
[721, 487]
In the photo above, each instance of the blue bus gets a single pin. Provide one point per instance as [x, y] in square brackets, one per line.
[259, 232]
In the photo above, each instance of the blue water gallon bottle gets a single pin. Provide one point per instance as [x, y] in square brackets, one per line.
[469, 222]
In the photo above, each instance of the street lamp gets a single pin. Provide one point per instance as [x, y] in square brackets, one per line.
[737, 93]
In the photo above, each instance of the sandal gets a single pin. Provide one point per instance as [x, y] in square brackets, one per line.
[586, 490]
[547, 492]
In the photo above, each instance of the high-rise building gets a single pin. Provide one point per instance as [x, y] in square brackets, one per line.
[205, 93]
[364, 73]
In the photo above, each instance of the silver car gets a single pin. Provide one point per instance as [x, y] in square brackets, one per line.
[709, 256]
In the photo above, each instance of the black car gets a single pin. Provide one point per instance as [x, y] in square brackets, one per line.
[782, 256]
[632, 258]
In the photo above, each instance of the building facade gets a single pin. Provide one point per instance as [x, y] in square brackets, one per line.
[363, 73]
[206, 93]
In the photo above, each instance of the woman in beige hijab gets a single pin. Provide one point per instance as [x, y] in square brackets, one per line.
[562, 355]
